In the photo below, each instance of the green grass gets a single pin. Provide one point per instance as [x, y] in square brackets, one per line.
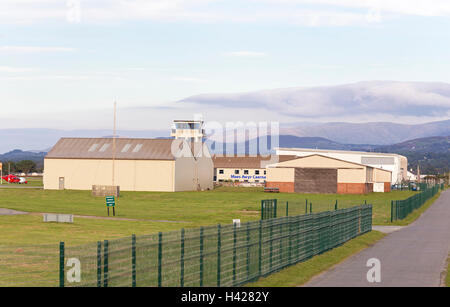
[301, 273]
[198, 208]
[19, 230]
[447, 277]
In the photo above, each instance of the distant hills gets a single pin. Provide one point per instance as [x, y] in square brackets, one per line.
[433, 153]
[333, 135]
[378, 133]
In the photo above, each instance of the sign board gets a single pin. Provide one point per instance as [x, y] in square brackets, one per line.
[111, 202]
[1, 166]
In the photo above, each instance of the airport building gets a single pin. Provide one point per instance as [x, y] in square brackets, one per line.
[321, 174]
[243, 169]
[134, 165]
[395, 163]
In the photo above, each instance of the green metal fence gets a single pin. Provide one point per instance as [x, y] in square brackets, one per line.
[222, 255]
[272, 208]
[400, 209]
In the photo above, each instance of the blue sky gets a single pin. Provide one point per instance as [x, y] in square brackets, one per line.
[72, 59]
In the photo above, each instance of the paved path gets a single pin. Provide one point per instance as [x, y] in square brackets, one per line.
[4, 211]
[414, 256]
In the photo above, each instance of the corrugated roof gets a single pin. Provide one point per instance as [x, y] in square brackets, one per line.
[247, 161]
[102, 148]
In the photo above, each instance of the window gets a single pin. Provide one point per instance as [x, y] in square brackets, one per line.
[256, 181]
[256, 172]
[221, 171]
[93, 147]
[246, 180]
[137, 148]
[104, 148]
[246, 172]
[126, 147]
[236, 172]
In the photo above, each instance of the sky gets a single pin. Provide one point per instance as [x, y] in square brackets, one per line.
[63, 63]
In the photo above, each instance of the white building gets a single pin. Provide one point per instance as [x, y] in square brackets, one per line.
[395, 163]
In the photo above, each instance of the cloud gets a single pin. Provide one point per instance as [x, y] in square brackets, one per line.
[245, 54]
[33, 49]
[377, 99]
[9, 69]
[188, 79]
[298, 12]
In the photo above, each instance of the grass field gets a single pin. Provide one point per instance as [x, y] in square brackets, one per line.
[26, 234]
[189, 209]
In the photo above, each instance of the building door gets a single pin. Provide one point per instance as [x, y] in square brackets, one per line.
[61, 183]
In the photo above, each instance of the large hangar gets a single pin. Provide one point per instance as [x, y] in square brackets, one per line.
[139, 164]
[321, 174]
[395, 163]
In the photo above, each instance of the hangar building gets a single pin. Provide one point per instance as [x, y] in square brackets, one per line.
[395, 163]
[321, 174]
[139, 164]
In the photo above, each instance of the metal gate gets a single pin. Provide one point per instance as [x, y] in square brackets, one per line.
[268, 209]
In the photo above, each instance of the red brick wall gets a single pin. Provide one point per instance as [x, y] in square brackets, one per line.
[387, 187]
[285, 187]
[354, 188]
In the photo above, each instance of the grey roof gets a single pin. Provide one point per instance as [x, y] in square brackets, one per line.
[102, 148]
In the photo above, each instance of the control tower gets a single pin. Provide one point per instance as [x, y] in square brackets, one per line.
[191, 130]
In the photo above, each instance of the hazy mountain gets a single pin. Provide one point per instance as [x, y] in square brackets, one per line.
[438, 144]
[18, 155]
[42, 139]
[371, 133]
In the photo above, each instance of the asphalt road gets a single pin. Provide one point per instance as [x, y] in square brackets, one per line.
[414, 256]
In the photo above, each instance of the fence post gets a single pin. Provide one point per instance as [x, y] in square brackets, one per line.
[99, 263]
[234, 254]
[336, 205]
[310, 207]
[260, 249]
[271, 246]
[276, 211]
[105, 263]
[61, 264]
[290, 242]
[306, 206]
[287, 208]
[248, 250]
[160, 259]
[133, 260]
[392, 211]
[201, 256]
[182, 258]
[218, 254]
[262, 209]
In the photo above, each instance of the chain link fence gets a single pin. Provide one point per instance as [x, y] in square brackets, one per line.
[400, 209]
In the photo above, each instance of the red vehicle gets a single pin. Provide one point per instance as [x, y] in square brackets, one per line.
[15, 179]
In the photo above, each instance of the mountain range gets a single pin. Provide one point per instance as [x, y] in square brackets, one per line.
[314, 134]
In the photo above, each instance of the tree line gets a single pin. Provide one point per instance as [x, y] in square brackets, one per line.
[24, 166]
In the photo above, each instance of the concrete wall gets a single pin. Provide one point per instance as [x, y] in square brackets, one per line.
[351, 175]
[280, 174]
[380, 175]
[130, 175]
